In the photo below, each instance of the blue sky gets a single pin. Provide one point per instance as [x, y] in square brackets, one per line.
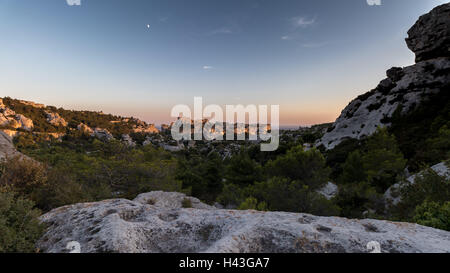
[310, 57]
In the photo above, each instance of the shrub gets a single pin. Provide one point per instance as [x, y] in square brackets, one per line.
[433, 214]
[22, 175]
[186, 203]
[252, 203]
[19, 224]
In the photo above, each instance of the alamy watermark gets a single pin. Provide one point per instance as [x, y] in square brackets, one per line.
[208, 123]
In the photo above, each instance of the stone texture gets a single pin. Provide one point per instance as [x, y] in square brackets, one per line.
[429, 38]
[156, 222]
[329, 191]
[55, 119]
[7, 148]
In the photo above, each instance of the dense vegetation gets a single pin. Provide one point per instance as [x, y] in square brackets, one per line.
[81, 168]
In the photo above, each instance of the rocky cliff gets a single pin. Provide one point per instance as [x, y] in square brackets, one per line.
[404, 88]
[157, 222]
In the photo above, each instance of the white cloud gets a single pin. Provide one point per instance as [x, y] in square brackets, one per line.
[374, 2]
[302, 22]
[207, 67]
[223, 30]
[286, 37]
[73, 2]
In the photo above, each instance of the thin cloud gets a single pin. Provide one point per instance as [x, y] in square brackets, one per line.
[302, 22]
[286, 38]
[223, 30]
[207, 67]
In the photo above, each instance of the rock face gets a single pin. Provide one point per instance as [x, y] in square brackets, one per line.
[157, 222]
[429, 38]
[9, 118]
[329, 191]
[392, 195]
[405, 87]
[7, 148]
[103, 134]
[55, 119]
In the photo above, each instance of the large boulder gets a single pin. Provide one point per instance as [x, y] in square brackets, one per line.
[429, 38]
[161, 222]
[403, 88]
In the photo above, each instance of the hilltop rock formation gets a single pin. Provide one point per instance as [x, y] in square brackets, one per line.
[157, 222]
[9, 118]
[429, 38]
[404, 88]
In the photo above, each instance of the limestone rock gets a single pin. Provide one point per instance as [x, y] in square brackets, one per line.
[103, 134]
[128, 140]
[329, 191]
[7, 148]
[407, 87]
[155, 222]
[429, 38]
[55, 119]
[84, 128]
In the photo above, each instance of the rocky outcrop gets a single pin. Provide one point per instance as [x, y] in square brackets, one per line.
[392, 195]
[7, 149]
[103, 134]
[55, 119]
[329, 191]
[404, 88]
[85, 129]
[128, 140]
[161, 222]
[429, 38]
[9, 118]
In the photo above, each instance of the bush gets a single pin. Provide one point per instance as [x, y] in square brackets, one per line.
[19, 224]
[428, 186]
[22, 175]
[433, 214]
[186, 203]
[281, 194]
[252, 203]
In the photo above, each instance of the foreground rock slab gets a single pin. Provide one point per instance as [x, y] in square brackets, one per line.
[157, 222]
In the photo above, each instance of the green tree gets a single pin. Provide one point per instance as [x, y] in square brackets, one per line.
[353, 170]
[242, 170]
[383, 162]
[305, 167]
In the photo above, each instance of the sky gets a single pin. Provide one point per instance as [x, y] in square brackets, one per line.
[140, 58]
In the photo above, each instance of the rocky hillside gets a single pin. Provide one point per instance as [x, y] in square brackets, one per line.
[157, 222]
[18, 117]
[404, 89]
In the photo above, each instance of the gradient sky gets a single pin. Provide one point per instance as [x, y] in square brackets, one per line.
[310, 57]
